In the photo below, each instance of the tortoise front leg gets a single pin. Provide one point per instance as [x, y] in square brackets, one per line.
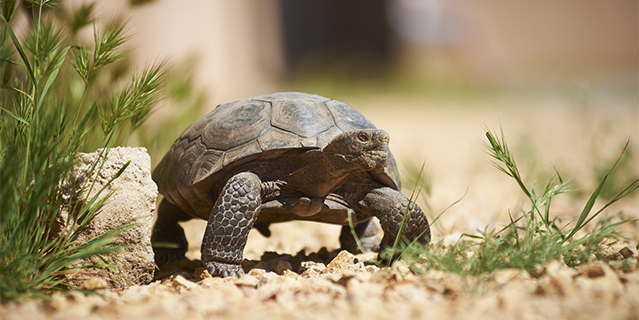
[233, 215]
[390, 206]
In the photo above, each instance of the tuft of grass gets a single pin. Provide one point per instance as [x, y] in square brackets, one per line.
[44, 123]
[532, 239]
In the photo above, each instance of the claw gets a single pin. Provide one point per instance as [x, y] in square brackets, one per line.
[212, 270]
[221, 269]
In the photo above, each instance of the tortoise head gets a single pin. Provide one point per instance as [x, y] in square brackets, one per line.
[368, 149]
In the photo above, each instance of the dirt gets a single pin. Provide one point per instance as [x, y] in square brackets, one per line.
[298, 273]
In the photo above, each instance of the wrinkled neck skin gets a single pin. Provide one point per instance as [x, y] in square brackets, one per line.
[322, 174]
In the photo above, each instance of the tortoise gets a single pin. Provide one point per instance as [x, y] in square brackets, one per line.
[275, 158]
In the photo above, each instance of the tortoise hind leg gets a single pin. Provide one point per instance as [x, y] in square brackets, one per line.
[366, 233]
[231, 219]
[167, 231]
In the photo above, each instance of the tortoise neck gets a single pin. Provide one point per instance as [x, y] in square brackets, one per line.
[322, 174]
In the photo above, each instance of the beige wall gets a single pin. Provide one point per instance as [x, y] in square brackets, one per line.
[239, 46]
[236, 42]
[538, 38]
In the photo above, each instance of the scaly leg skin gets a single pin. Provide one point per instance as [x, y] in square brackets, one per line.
[389, 206]
[233, 215]
[167, 230]
[366, 233]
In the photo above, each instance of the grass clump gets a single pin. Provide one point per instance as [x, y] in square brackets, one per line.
[59, 97]
[532, 239]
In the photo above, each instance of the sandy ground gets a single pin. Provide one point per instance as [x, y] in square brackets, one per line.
[448, 138]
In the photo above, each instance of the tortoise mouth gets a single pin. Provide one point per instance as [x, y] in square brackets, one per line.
[372, 159]
[376, 153]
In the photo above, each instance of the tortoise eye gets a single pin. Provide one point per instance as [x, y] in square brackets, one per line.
[363, 137]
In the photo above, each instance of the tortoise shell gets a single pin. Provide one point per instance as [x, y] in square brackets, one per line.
[242, 131]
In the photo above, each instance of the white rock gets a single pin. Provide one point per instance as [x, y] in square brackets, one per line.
[133, 202]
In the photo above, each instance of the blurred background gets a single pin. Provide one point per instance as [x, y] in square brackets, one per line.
[560, 78]
[248, 47]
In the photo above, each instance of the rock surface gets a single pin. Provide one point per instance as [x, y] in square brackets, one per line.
[132, 201]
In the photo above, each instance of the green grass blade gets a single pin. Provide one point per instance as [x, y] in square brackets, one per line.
[8, 8]
[16, 90]
[17, 117]
[18, 47]
[448, 208]
[499, 150]
[629, 189]
[52, 77]
[352, 227]
[593, 198]
[513, 227]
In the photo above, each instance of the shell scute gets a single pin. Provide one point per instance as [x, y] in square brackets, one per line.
[302, 117]
[211, 161]
[278, 139]
[236, 124]
[240, 152]
[346, 117]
